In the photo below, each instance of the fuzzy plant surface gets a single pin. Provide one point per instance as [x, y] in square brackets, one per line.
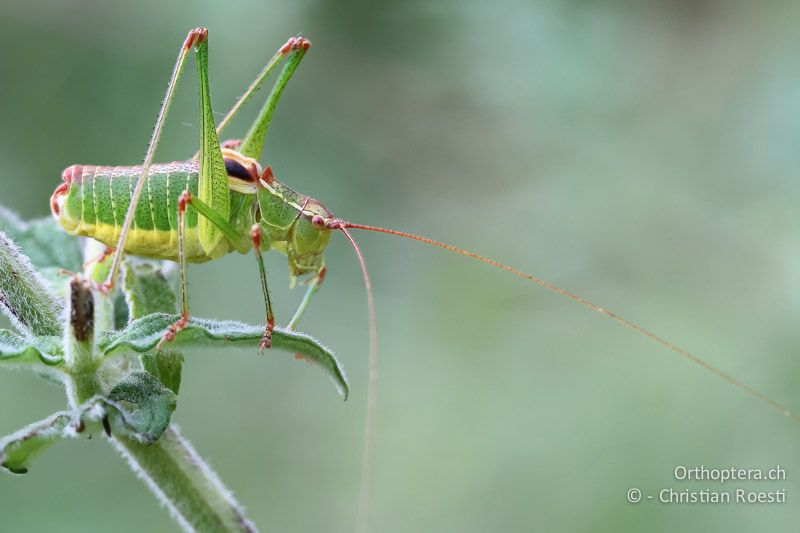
[102, 350]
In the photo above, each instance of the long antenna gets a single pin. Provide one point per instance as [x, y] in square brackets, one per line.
[594, 307]
[365, 498]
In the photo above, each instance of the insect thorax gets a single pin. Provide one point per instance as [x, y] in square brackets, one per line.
[285, 216]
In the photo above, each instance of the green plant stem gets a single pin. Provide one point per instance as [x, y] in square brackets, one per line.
[186, 485]
[79, 342]
[170, 467]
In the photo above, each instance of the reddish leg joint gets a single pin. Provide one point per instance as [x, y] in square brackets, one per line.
[255, 235]
[105, 287]
[267, 176]
[185, 198]
[100, 258]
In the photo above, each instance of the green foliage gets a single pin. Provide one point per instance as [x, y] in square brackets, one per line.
[15, 350]
[166, 366]
[117, 381]
[147, 289]
[143, 335]
[154, 403]
[145, 424]
[18, 449]
[24, 297]
[45, 244]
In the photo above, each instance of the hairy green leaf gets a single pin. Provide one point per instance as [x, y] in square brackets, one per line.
[15, 350]
[154, 404]
[17, 450]
[44, 242]
[166, 365]
[147, 289]
[142, 336]
[120, 318]
[24, 295]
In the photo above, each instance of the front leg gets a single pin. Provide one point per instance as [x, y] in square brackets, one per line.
[266, 341]
[316, 283]
[205, 212]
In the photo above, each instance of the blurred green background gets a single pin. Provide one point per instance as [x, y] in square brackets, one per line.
[641, 154]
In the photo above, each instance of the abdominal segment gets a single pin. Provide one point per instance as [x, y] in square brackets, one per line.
[99, 198]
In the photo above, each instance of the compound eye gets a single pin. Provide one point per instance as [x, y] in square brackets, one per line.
[318, 221]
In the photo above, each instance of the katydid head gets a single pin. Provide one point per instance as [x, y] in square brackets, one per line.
[297, 225]
[308, 237]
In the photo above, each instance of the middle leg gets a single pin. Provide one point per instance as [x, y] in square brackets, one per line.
[183, 321]
[316, 283]
[213, 217]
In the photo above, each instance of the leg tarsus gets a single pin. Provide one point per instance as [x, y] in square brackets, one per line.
[169, 336]
[266, 340]
[295, 43]
[195, 37]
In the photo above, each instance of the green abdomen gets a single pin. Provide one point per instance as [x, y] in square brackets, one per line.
[99, 198]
